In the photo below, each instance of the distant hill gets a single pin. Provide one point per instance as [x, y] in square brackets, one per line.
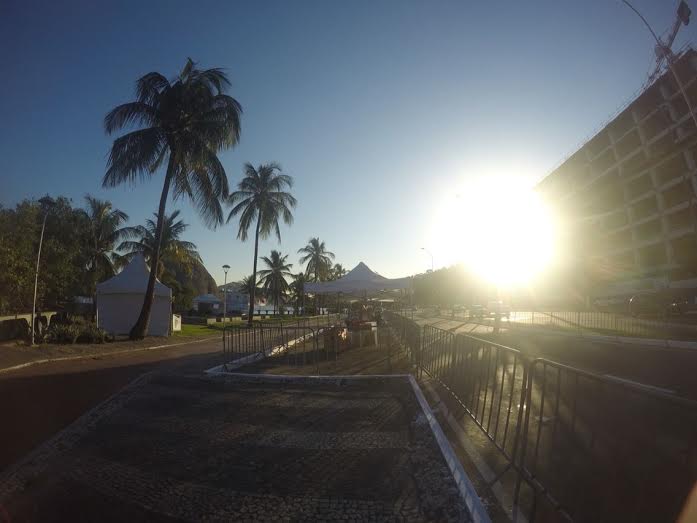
[200, 281]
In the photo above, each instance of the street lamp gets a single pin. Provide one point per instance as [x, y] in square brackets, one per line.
[429, 253]
[226, 268]
[46, 204]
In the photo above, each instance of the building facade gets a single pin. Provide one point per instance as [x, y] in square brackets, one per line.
[630, 191]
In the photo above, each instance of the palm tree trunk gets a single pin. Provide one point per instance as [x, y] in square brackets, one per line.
[254, 274]
[140, 329]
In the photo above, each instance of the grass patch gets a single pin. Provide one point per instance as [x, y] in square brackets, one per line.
[189, 330]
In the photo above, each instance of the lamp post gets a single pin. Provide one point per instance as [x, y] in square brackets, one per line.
[46, 204]
[430, 254]
[226, 268]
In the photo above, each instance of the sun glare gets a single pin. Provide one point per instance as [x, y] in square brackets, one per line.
[503, 232]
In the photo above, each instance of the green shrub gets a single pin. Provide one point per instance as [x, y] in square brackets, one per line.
[76, 330]
[63, 333]
[90, 333]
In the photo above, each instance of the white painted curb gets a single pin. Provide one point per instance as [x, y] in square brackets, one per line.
[467, 491]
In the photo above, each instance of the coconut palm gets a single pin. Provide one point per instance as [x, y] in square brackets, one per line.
[274, 278]
[318, 259]
[182, 124]
[246, 286]
[103, 232]
[173, 251]
[338, 271]
[297, 288]
[261, 197]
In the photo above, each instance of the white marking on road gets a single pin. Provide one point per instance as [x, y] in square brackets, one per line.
[641, 385]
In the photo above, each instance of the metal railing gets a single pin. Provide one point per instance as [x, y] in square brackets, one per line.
[664, 327]
[597, 446]
[581, 446]
[487, 380]
[241, 341]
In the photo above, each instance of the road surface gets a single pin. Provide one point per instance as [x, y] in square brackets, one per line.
[38, 401]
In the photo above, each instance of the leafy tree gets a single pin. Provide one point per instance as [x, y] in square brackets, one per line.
[63, 256]
[173, 251]
[261, 196]
[318, 259]
[184, 123]
[274, 278]
[103, 232]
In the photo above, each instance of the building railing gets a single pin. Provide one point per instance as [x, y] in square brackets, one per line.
[575, 445]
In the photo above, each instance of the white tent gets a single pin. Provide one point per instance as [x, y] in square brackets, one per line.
[120, 299]
[359, 279]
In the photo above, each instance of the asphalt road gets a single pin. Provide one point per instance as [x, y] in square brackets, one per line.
[38, 401]
[669, 369]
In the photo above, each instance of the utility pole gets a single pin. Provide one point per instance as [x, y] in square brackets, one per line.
[46, 204]
[226, 268]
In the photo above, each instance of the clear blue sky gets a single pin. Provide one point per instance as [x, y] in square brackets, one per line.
[379, 109]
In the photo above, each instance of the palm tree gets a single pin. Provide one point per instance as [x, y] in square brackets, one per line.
[274, 278]
[338, 271]
[183, 124]
[297, 288]
[318, 259]
[104, 230]
[261, 196]
[172, 250]
[246, 286]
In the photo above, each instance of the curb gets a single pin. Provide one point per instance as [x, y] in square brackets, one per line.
[88, 356]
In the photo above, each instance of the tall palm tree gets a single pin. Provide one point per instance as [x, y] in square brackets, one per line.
[338, 271]
[172, 250]
[297, 288]
[274, 278]
[318, 259]
[103, 232]
[261, 196]
[183, 124]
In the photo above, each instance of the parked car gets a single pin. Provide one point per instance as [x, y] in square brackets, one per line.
[648, 305]
[498, 308]
[477, 311]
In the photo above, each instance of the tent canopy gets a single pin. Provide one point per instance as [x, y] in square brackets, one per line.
[133, 279]
[359, 279]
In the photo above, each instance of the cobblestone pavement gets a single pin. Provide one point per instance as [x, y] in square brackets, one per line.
[174, 447]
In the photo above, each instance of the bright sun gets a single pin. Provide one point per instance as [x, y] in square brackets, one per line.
[502, 231]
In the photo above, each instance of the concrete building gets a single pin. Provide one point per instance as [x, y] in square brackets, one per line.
[631, 189]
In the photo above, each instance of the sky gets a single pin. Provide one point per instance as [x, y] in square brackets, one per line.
[382, 111]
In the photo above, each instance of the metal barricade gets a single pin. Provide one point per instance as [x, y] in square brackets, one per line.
[488, 380]
[599, 448]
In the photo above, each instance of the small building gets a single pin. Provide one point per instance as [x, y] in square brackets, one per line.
[120, 300]
[208, 304]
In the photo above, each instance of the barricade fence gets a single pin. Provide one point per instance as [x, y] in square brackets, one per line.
[241, 341]
[571, 445]
[663, 327]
